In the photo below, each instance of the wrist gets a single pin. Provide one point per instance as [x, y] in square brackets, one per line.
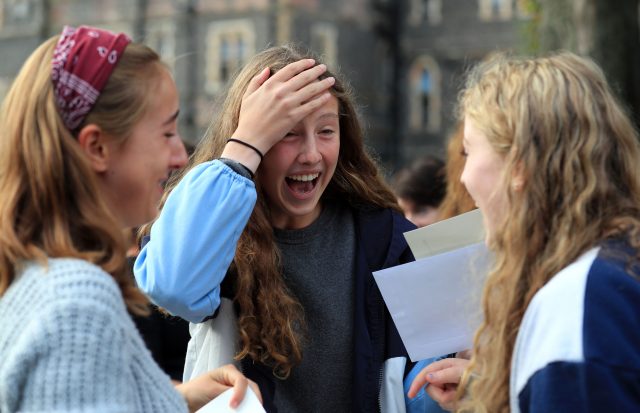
[237, 167]
[183, 389]
[246, 155]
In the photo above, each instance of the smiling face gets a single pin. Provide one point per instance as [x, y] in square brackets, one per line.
[297, 170]
[139, 166]
[482, 176]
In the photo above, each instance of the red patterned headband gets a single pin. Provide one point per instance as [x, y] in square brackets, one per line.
[82, 63]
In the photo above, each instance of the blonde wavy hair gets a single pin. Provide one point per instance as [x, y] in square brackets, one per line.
[270, 319]
[559, 127]
[51, 204]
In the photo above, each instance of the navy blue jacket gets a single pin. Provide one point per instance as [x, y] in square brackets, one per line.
[379, 244]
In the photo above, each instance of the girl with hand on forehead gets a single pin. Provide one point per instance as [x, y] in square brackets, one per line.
[300, 241]
[552, 163]
[89, 138]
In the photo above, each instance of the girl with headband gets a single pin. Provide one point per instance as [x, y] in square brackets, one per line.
[88, 140]
[552, 163]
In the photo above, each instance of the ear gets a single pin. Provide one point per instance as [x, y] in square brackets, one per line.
[93, 142]
[518, 180]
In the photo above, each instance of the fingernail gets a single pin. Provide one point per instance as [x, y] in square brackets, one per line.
[322, 66]
[233, 404]
[331, 80]
[311, 61]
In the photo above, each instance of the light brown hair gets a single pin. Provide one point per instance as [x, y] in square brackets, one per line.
[456, 199]
[270, 317]
[50, 204]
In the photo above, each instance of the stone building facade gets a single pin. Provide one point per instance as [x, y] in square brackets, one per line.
[404, 58]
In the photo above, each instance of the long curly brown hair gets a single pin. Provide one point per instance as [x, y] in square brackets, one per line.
[271, 320]
[51, 204]
[559, 128]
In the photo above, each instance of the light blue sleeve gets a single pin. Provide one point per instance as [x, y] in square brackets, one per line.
[422, 403]
[194, 240]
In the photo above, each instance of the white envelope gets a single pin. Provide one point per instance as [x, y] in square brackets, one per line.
[449, 234]
[435, 301]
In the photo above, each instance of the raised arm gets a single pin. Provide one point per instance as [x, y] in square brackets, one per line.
[193, 241]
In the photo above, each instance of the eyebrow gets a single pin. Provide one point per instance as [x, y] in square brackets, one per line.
[172, 118]
[329, 115]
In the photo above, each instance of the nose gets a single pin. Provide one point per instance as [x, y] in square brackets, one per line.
[309, 153]
[179, 156]
[463, 175]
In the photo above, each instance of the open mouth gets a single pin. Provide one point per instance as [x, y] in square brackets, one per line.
[302, 184]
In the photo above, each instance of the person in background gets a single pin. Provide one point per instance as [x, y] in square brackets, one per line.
[88, 140]
[312, 327]
[420, 189]
[552, 163]
[456, 200]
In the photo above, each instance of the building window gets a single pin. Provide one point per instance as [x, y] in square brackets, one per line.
[324, 42]
[229, 45]
[17, 11]
[494, 10]
[425, 103]
[161, 37]
[422, 11]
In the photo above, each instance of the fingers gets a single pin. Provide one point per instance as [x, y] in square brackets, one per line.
[293, 69]
[449, 375]
[256, 390]
[310, 106]
[445, 371]
[304, 78]
[257, 81]
[448, 370]
[444, 396]
[419, 382]
[313, 89]
[230, 375]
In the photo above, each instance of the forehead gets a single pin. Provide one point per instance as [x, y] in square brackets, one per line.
[164, 96]
[329, 110]
[471, 131]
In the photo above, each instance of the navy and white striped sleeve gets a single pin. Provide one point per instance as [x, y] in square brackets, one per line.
[578, 346]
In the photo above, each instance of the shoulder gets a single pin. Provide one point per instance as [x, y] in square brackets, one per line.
[611, 302]
[381, 231]
[70, 280]
[586, 313]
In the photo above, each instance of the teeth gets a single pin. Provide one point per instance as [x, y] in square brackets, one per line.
[304, 178]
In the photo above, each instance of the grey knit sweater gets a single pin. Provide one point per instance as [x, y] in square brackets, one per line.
[67, 344]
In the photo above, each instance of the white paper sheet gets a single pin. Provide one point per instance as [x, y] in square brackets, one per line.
[435, 301]
[457, 232]
[250, 404]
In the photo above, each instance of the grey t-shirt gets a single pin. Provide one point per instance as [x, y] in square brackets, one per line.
[318, 264]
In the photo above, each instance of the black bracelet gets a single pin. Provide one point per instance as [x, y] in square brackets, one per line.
[248, 145]
[237, 167]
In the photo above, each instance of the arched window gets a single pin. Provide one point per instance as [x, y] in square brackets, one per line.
[422, 11]
[492, 10]
[229, 45]
[424, 94]
[161, 37]
[324, 42]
